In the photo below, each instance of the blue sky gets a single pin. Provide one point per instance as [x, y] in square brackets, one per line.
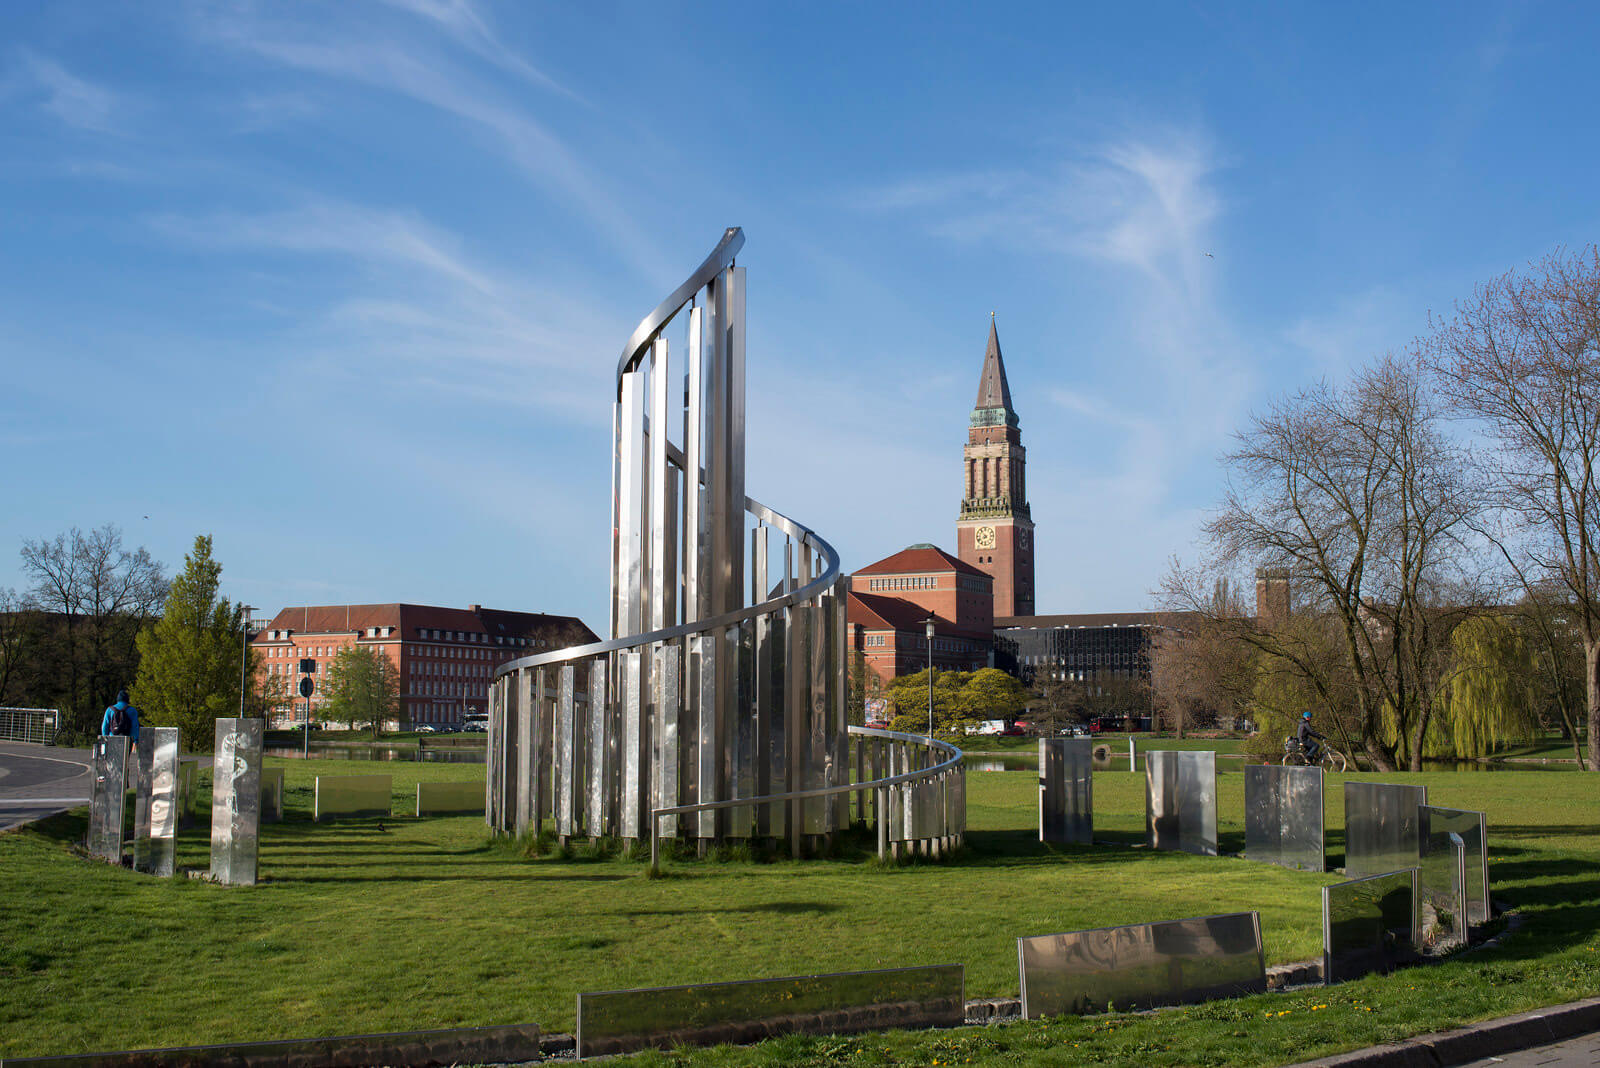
[344, 285]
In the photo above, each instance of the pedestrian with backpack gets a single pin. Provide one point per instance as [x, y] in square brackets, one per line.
[122, 718]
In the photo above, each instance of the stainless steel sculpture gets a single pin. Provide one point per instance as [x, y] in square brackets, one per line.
[1181, 801]
[620, 1021]
[156, 828]
[1368, 924]
[352, 795]
[139, 771]
[1066, 790]
[717, 708]
[1142, 965]
[1381, 827]
[449, 798]
[236, 801]
[1283, 816]
[1442, 866]
[271, 795]
[108, 772]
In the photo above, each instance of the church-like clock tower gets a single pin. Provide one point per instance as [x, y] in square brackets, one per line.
[994, 531]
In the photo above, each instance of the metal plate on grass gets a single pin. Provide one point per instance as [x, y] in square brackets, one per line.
[1283, 816]
[1181, 801]
[1141, 965]
[617, 1021]
[1381, 827]
[1369, 924]
[108, 774]
[446, 798]
[352, 795]
[236, 801]
[1066, 790]
[1438, 858]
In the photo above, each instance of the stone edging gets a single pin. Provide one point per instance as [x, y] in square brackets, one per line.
[1475, 1042]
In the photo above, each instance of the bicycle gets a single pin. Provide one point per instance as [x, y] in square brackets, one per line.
[1295, 757]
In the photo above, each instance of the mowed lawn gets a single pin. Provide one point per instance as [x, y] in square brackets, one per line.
[425, 924]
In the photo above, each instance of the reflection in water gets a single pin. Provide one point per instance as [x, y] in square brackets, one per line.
[383, 752]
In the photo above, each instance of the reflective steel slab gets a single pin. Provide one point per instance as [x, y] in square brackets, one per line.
[1066, 790]
[236, 801]
[1368, 924]
[352, 795]
[272, 795]
[161, 826]
[1172, 962]
[448, 798]
[1381, 827]
[1181, 801]
[1283, 816]
[139, 775]
[108, 773]
[617, 1021]
[1439, 857]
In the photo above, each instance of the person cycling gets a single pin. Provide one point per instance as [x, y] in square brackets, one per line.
[1308, 739]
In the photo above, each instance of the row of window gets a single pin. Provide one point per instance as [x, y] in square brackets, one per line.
[423, 667]
[904, 582]
[435, 688]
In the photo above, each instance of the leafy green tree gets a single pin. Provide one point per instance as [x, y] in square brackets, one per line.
[363, 687]
[910, 696]
[189, 660]
[989, 694]
[1494, 694]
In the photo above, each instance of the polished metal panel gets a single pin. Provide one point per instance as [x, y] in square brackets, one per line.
[566, 751]
[353, 795]
[271, 795]
[619, 1021]
[494, 760]
[601, 794]
[143, 752]
[667, 702]
[708, 732]
[1066, 790]
[1283, 816]
[1181, 801]
[162, 820]
[634, 769]
[108, 772]
[630, 529]
[740, 728]
[1381, 827]
[449, 798]
[1369, 924]
[236, 801]
[1173, 962]
[1438, 857]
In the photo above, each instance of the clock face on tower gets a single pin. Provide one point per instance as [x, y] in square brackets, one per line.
[984, 537]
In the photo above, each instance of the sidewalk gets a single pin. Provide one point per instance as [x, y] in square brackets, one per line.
[1561, 1035]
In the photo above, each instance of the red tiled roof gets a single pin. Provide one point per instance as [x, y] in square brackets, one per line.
[874, 611]
[407, 619]
[920, 559]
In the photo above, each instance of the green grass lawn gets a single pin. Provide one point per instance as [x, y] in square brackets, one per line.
[429, 924]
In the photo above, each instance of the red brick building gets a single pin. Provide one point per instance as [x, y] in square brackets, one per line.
[890, 602]
[446, 657]
[994, 530]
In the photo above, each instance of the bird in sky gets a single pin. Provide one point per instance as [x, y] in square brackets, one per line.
[1207, 254]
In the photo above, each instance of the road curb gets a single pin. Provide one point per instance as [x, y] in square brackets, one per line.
[1473, 1043]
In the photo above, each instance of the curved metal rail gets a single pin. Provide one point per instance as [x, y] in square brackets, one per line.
[701, 705]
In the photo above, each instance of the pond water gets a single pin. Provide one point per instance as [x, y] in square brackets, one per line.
[472, 755]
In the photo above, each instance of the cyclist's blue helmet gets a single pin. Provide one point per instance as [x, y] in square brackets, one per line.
[1305, 715]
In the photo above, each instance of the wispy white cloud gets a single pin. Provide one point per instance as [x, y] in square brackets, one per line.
[74, 100]
[1356, 329]
[415, 69]
[469, 25]
[450, 324]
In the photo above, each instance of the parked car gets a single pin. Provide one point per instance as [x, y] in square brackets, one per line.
[475, 728]
[425, 728]
[1016, 730]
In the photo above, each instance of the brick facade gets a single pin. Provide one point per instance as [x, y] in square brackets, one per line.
[445, 657]
[891, 600]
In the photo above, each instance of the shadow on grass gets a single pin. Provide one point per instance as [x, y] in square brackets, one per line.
[781, 908]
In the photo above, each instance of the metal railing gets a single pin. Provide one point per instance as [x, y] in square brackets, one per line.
[37, 725]
[725, 678]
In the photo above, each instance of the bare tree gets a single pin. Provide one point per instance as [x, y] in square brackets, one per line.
[1356, 493]
[100, 596]
[1522, 355]
[18, 633]
[1199, 667]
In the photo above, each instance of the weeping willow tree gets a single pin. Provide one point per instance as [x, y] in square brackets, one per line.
[1491, 698]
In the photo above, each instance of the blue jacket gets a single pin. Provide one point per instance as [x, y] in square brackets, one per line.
[133, 714]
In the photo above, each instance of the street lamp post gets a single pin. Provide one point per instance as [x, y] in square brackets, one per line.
[928, 627]
[244, 655]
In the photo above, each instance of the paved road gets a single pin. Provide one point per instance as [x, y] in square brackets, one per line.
[1580, 1052]
[44, 779]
